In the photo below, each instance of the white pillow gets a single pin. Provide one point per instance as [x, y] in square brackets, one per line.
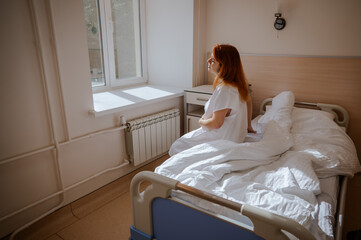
[304, 119]
[332, 150]
[280, 111]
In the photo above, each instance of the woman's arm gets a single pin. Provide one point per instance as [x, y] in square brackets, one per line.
[217, 119]
[249, 115]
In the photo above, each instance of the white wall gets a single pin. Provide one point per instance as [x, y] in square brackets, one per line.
[59, 71]
[323, 27]
[170, 42]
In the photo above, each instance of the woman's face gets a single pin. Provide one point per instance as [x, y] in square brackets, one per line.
[213, 65]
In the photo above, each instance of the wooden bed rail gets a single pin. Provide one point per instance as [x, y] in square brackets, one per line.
[209, 197]
[265, 224]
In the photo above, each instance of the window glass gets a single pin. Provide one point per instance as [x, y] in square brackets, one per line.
[95, 49]
[114, 42]
[126, 38]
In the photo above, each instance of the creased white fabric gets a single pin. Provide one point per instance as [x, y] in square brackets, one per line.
[330, 148]
[210, 161]
[249, 173]
[282, 106]
[327, 201]
[316, 134]
[278, 173]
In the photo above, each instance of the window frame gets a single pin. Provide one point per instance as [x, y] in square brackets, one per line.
[106, 26]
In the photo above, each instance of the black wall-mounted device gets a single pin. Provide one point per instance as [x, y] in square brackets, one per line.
[280, 22]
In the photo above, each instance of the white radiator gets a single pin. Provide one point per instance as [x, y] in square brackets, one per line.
[151, 136]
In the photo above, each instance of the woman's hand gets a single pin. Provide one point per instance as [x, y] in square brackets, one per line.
[217, 119]
[251, 130]
[249, 115]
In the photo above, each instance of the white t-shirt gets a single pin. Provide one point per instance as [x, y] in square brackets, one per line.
[234, 127]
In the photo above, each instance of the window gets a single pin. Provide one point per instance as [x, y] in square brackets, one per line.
[115, 42]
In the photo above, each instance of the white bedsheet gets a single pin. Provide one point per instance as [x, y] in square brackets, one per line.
[249, 173]
[322, 225]
[277, 173]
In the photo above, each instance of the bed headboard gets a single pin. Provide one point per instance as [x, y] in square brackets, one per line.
[340, 113]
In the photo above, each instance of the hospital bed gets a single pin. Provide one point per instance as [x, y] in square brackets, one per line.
[179, 205]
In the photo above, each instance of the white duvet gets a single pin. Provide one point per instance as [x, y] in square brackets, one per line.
[279, 173]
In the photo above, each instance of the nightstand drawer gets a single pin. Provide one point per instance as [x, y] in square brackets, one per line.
[197, 98]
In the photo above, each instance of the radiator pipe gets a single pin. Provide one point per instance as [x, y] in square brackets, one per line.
[89, 135]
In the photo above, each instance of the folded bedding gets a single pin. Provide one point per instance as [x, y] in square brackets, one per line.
[327, 204]
[322, 224]
[280, 173]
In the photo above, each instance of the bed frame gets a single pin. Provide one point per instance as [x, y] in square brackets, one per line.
[156, 215]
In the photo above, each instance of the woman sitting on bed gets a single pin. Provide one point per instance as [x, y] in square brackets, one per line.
[225, 114]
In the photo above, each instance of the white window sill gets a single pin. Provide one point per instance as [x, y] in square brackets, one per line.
[123, 99]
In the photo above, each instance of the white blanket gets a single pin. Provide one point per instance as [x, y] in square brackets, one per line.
[273, 174]
[210, 161]
[249, 173]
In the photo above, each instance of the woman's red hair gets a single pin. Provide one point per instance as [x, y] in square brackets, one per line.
[231, 70]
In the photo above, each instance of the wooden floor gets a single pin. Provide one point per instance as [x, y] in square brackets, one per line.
[104, 214]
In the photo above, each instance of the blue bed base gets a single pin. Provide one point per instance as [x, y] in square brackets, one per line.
[174, 221]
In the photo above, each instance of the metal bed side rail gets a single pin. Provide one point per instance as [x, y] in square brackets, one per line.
[266, 224]
[340, 113]
[341, 208]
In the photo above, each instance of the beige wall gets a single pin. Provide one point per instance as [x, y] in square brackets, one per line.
[322, 27]
[314, 28]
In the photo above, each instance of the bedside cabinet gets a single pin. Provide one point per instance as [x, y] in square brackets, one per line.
[195, 99]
